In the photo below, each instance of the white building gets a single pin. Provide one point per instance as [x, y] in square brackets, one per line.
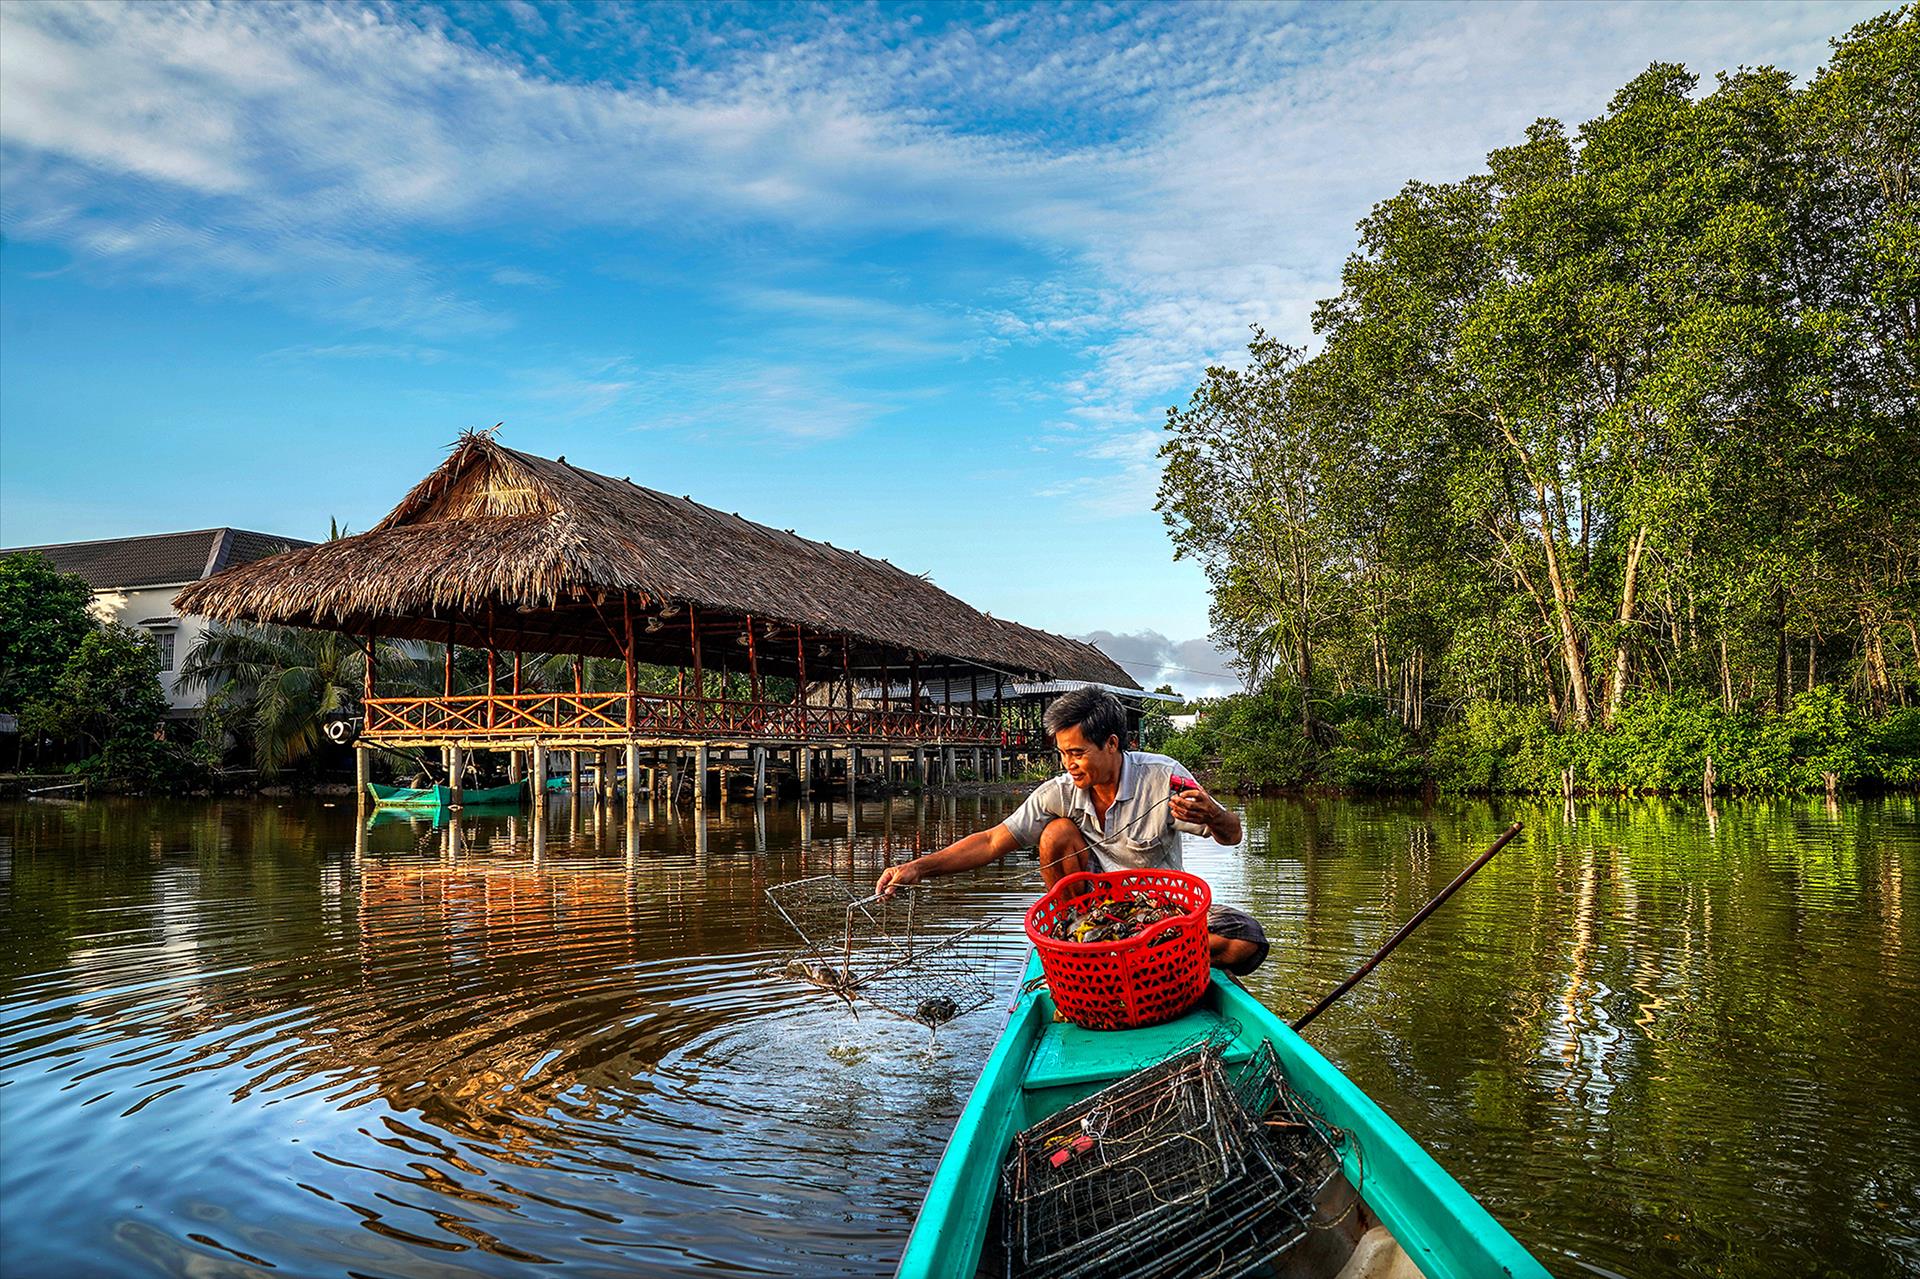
[134, 580]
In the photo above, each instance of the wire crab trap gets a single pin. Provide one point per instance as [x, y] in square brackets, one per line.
[894, 954]
[1184, 1168]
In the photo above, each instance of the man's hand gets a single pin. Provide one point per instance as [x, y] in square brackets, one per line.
[894, 878]
[1196, 806]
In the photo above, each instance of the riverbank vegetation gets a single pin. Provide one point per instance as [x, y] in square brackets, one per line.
[1605, 463]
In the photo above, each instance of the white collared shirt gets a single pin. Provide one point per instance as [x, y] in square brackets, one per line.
[1139, 830]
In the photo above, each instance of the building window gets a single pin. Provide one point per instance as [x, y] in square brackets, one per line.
[163, 640]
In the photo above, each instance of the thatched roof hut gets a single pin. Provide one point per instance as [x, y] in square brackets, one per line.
[504, 550]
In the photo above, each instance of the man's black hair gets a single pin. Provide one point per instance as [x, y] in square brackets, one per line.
[1094, 711]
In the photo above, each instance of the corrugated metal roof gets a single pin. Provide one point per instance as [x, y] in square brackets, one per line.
[160, 559]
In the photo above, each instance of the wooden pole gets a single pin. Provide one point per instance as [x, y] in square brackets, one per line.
[694, 628]
[800, 689]
[1407, 928]
[753, 666]
[626, 613]
[846, 669]
[449, 679]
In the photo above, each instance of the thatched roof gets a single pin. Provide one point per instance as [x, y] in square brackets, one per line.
[506, 550]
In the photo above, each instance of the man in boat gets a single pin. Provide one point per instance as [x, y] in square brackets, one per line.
[1112, 809]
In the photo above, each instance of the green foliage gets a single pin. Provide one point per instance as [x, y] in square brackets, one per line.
[1375, 754]
[271, 685]
[107, 697]
[1632, 410]
[43, 619]
[1249, 742]
[1890, 749]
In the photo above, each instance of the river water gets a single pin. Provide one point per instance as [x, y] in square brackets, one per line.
[246, 1038]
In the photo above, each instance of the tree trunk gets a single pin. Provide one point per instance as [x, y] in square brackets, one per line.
[1780, 676]
[1618, 692]
[1552, 684]
[1726, 678]
[1878, 686]
[1812, 647]
[1570, 650]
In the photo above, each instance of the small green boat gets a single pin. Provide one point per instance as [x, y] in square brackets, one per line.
[1041, 1066]
[430, 797]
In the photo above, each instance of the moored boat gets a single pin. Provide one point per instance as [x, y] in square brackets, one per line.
[1041, 1066]
[442, 796]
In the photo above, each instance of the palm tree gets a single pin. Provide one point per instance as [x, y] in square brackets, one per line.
[278, 682]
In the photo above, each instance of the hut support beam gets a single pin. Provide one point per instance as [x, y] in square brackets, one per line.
[456, 766]
[539, 783]
[633, 782]
[699, 773]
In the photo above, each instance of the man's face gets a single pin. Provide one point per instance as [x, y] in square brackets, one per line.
[1087, 764]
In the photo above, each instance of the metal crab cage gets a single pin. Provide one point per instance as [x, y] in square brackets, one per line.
[901, 955]
[1184, 1168]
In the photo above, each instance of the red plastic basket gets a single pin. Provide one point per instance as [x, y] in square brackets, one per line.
[1141, 981]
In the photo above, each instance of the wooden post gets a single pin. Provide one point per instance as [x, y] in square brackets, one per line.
[846, 669]
[456, 765]
[759, 774]
[920, 766]
[449, 677]
[913, 684]
[513, 766]
[803, 765]
[886, 686]
[633, 779]
[800, 685]
[626, 612]
[573, 776]
[699, 772]
[699, 676]
[539, 783]
[366, 682]
[853, 772]
[753, 667]
[492, 690]
[362, 771]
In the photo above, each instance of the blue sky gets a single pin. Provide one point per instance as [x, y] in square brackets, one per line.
[917, 280]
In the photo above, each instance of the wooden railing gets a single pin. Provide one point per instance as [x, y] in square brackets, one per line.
[608, 716]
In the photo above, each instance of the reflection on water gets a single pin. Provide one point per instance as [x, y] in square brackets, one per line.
[252, 1038]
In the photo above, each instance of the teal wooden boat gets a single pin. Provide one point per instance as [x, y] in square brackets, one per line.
[1041, 1066]
[431, 797]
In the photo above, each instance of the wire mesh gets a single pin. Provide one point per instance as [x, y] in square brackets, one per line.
[900, 955]
[1183, 1168]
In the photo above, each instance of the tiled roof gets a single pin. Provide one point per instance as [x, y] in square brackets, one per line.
[121, 563]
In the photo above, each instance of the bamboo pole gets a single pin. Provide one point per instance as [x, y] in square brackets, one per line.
[1406, 929]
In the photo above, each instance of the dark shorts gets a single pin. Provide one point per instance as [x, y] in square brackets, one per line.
[1237, 925]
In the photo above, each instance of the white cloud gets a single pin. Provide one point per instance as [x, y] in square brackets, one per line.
[1193, 667]
[1188, 170]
